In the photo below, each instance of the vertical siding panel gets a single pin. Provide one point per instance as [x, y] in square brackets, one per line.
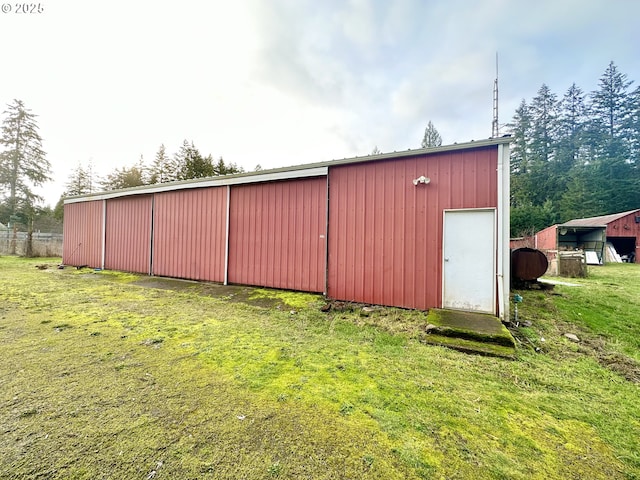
[128, 229]
[271, 234]
[189, 234]
[385, 238]
[82, 234]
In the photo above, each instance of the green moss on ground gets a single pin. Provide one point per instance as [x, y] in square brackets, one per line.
[112, 379]
[474, 328]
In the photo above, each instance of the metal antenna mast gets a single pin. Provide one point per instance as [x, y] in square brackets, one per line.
[495, 129]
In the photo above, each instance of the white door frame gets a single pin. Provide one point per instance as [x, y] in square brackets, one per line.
[493, 253]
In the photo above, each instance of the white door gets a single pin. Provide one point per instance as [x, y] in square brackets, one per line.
[469, 272]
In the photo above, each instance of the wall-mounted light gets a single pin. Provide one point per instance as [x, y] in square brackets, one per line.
[421, 179]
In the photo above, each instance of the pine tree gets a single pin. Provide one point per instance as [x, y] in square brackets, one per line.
[611, 143]
[126, 177]
[521, 130]
[163, 168]
[80, 181]
[191, 164]
[544, 115]
[634, 158]
[572, 120]
[611, 109]
[23, 165]
[543, 185]
[222, 168]
[431, 137]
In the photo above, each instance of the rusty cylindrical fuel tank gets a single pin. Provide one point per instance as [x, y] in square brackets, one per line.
[528, 263]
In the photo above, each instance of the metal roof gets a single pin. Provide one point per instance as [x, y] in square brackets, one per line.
[297, 171]
[600, 221]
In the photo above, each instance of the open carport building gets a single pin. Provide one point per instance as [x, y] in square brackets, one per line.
[417, 229]
[621, 230]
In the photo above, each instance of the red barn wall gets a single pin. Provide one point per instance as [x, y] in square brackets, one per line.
[547, 239]
[128, 234]
[277, 234]
[190, 233]
[626, 227]
[82, 234]
[385, 234]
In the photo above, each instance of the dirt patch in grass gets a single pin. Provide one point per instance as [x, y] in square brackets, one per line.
[255, 296]
[543, 326]
[597, 347]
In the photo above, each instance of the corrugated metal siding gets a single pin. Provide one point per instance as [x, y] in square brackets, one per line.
[547, 239]
[128, 234]
[277, 234]
[385, 234]
[625, 226]
[189, 233]
[82, 237]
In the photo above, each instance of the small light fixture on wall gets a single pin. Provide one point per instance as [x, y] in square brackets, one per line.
[421, 179]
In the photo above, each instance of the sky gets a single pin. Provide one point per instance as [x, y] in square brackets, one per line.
[288, 82]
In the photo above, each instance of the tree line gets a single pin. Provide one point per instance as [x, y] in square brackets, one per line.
[186, 164]
[576, 156]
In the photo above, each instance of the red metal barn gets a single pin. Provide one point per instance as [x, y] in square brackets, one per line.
[623, 231]
[417, 229]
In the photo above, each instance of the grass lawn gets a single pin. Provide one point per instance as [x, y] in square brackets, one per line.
[116, 376]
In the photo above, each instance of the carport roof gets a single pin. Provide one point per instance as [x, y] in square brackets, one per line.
[600, 221]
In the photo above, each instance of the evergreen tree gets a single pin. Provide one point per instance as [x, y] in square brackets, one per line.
[543, 185]
[634, 127]
[572, 120]
[577, 157]
[577, 200]
[163, 168]
[611, 144]
[431, 137]
[125, 177]
[222, 168]
[528, 219]
[58, 210]
[191, 164]
[521, 130]
[611, 110]
[23, 165]
[80, 181]
[544, 115]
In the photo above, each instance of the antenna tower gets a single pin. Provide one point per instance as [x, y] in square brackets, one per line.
[495, 129]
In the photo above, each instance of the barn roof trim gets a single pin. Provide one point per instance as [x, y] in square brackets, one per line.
[600, 221]
[283, 173]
